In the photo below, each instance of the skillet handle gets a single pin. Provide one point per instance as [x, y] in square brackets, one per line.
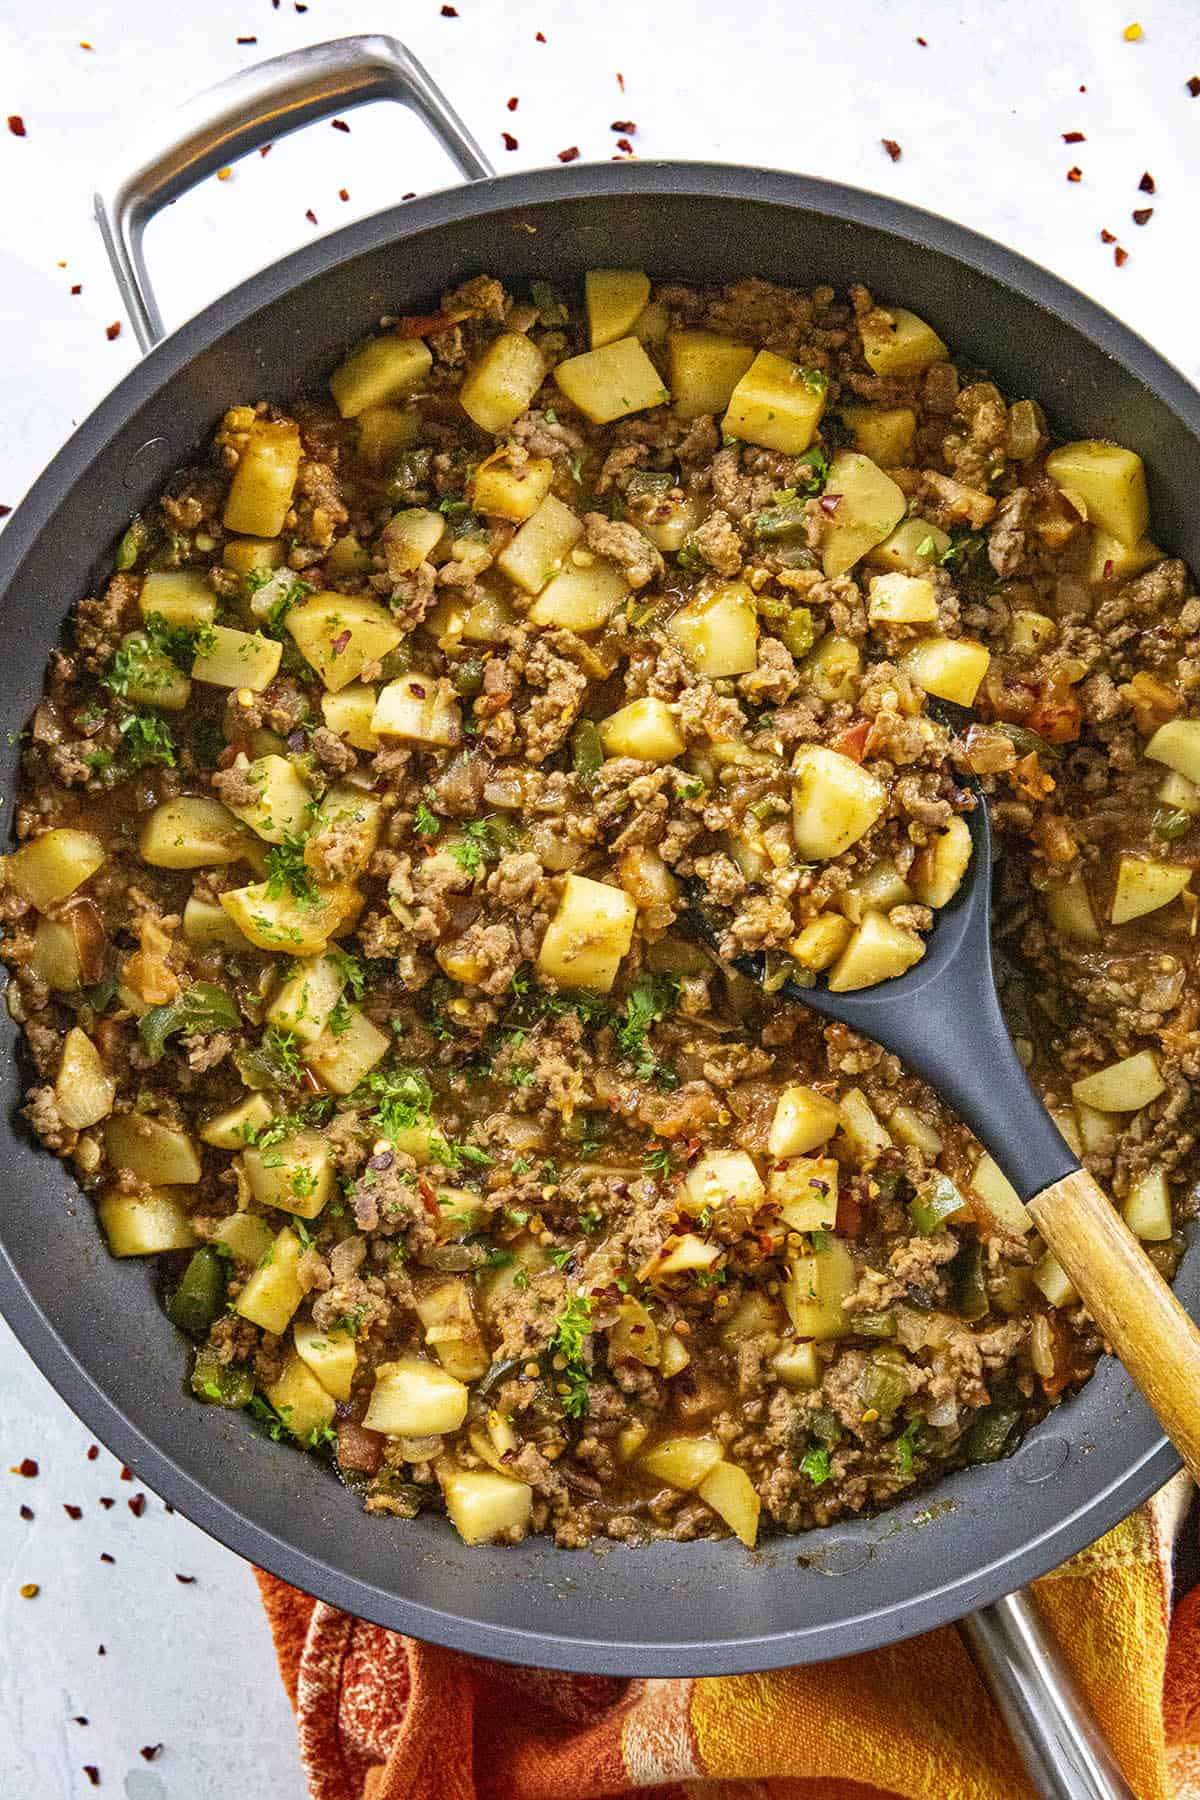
[249, 110]
[1051, 1723]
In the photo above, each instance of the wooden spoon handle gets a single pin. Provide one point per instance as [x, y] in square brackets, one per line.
[1130, 1302]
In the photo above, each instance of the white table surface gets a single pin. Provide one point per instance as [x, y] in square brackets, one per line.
[980, 114]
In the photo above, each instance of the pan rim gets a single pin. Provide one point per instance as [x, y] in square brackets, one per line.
[1154, 1461]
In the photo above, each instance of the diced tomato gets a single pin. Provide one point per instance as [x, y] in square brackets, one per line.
[853, 741]
[415, 325]
[851, 1216]
[1058, 715]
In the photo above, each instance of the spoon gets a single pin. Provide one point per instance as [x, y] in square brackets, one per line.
[942, 1018]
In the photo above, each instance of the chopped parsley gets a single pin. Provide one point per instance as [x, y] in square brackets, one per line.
[906, 1444]
[658, 1162]
[288, 873]
[425, 822]
[404, 1097]
[145, 740]
[571, 1332]
[650, 999]
[815, 1464]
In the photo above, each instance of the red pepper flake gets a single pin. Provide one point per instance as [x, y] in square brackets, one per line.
[1074, 174]
[310, 215]
[513, 102]
[924, 45]
[150, 1751]
[1073, 137]
[27, 1467]
[411, 194]
[449, 12]
[29, 1590]
[625, 126]
[1192, 84]
[829, 504]
[340, 643]
[1120, 257]
[247, 40]
[137, 1502]
[1108, 237]
[414, 687]
[80, 1719]
[892, 148]
[300, 6]
[92, 1773]
[624, 144]
[1146, 184]
[1108, 568]
[77, 288]
[93, 1449]
[539, 37]
[16, 125]
[343, 193]
[339, 124]
[72, 1512]
[26, 1511]
[113, 331]
[100, 1650]
[126, 1473]
[620, 81]
[1142, 215]
[510, 142]
[185, 1580]
[105, 1557]
[264, 149]
[571, 155]
[106, 1501]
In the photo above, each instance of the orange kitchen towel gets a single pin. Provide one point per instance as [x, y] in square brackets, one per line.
[382, 1717]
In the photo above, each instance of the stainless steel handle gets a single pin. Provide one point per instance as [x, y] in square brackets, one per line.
[246, 111]
[1051, 1723]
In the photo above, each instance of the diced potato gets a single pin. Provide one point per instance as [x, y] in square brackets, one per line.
[797, 1365]
[500, 491]
[83, 1089]
[1110, 560]
[914, 546]
[682, 1462]
[1029, 632]
[339, 634]
[358, 817]
[1000, 1197]
[1177, 744]
[412, 536]
[302, 1004]
[146, 1224]
[898, 599]
[1098, 1132]
[1051, 1279]
[1111, 482]
[674, 1356]
[48, 868]
[755, 1316]
[238, 659]
[646, 878]
[1180, 794]
[163, 1155]
[540, 545]
[803, 1121]
[253, 556]
[821, 942]
[483, 1505]
[452, 1330]
[1066, 1120]
[414, 1397]
[246, 1236]
[861, 1126]
[731, 1494]
[718, 631]
[56, 957]
[911, 1127]
[299, 1399]
[348, 714]
[279, 809]
[1144, 885]
[421, 709]
[884, 433]
[878, 889]
[897, 342]
[670, 521]
[229, 1130]
[260, 494]
[686, 1254]
[937, 871]
[1069, 909]
[207, 926]
[501, 385]
[151, 677]
[615, 300]
[835, 801]
[348, 557]
[1147, 1211]
[590, 932]
[581, 598]
[950, 668]
[331, 1355]
[806, 1191]
[815, 1289]
[340, 1060]
[281, 922]
[273, 1293]
[481, 621]
[878, 951]
[869, 506]
[777, 403]
[634, 1336]
[832, 668]
[1123, 1086]
[704, 368]
[721, 1178]
[380, 370]
[610, 382]
[182, 598]
[192, 832]
[383, 431]
[646, 729]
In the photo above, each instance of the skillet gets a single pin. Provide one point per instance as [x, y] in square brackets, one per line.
[92, 1324]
